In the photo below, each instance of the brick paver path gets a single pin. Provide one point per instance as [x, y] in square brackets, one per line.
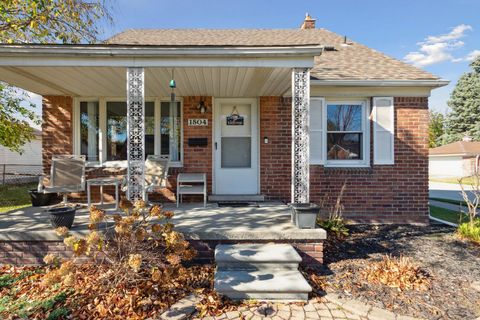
[312, 310]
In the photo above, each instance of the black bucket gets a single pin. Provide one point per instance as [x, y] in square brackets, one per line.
[40, 199]
[62, 216]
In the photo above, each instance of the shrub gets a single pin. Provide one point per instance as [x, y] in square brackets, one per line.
[335, 222]
[136, 253]
[470, 231]
[397, 272]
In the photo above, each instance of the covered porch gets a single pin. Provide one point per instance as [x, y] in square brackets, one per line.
[139, 77]
[26, 234]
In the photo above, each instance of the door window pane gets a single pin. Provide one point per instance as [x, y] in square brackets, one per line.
[89, 130]
[170, 129]
[236, 152]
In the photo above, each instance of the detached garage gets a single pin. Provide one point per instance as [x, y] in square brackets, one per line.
[458, 159]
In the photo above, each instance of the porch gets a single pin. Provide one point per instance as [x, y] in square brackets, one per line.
[115, 105]
[26, 234]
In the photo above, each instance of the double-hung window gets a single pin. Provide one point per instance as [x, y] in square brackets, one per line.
[101, 130]
[339, 133]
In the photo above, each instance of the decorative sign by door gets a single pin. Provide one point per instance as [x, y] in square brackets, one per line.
[198, 122]
[234, 119]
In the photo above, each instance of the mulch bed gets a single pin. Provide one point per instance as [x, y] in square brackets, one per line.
[452, 263]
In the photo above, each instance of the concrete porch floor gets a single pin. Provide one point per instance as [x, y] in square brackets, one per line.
[265, 222]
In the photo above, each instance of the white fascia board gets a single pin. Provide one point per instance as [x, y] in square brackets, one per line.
[452, 155]
[382, 83]
[131, 56]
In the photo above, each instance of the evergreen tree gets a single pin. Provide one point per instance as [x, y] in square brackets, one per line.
[464, 118]
[436, 128]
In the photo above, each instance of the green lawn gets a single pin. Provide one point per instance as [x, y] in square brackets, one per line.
[15, 196]
[454, 180]
[446, 215]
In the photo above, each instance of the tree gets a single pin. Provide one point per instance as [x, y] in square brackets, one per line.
[41, 21]
[464, 119]
[436, 128]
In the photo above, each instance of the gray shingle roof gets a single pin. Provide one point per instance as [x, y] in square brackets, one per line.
[347, 62]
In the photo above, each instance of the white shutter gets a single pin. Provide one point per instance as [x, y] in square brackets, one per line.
[383, 130]
[316, 130]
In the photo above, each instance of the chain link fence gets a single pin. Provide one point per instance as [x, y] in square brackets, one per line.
[19, 173]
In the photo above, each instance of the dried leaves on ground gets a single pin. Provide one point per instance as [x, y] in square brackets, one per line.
[353, 268]
[24, 294]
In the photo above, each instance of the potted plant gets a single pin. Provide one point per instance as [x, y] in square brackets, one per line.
[304, 215]
[62, 216]
[40, 199]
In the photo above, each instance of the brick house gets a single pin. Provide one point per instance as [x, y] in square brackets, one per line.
[315, 111]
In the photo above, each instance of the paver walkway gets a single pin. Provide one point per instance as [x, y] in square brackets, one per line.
[330, 307]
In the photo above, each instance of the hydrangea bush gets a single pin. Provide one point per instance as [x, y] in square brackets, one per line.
[138, 245]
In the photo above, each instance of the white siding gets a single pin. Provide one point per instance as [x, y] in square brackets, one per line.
[446, 166]
[32, 154]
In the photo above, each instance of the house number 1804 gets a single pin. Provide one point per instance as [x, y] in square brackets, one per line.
[198, 122]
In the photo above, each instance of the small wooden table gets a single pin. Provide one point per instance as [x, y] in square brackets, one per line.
[103, 182]
[191, 183]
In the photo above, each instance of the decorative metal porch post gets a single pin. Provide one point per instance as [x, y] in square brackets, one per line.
[135, 133]
[300, 135]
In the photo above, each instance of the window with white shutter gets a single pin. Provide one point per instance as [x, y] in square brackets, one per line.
[383, 130]
[316, 130]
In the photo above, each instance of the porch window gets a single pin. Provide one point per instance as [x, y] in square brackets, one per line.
[117, 130]
[89, 130]
[170, 129]
[344, 142]
[162, 136]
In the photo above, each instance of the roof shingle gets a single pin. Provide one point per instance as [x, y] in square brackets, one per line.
[459, 148]
[347, 62]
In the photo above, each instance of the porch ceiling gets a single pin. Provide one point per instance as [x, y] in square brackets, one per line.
[111, 81]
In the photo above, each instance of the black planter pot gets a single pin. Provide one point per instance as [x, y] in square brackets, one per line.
[62, 216]
[304, 215]
[40, 199]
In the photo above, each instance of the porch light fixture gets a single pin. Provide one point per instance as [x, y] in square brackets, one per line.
[202, 107]
[172, 86]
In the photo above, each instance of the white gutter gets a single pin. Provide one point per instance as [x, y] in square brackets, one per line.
[103, 50]
[154, 56]
[381, 83]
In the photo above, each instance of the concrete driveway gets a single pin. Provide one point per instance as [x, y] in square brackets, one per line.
[450, 191]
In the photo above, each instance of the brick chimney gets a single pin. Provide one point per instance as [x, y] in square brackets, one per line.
[308, 23]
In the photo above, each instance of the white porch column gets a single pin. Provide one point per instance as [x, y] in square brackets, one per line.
[135, 133]
[300, 135]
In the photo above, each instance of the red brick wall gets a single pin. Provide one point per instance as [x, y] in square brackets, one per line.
[275, 157]
[391, 194]
[388, 194]
[33, 252]
[56, 128]
[197, 159]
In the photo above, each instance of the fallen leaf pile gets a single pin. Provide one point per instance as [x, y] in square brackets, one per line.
[397, 272]
[83, 301]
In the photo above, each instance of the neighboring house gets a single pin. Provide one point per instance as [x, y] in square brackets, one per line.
[24, 167]
[243, 99]
[31, 154]
[458, 159]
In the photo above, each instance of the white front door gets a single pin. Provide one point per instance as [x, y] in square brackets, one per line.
[236, 146]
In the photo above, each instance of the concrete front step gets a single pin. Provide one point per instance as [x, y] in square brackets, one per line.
[262, 285]
[236, 198]
[257, 256]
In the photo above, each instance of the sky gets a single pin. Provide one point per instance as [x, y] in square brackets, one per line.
[440, 36]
